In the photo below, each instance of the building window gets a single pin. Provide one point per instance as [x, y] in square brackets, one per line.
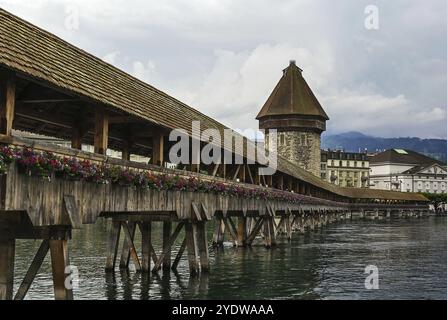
[281, 139]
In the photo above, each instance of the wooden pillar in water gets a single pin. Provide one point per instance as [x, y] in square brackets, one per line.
[112, 245]
[125, 254]
[59, 263]
[7, 256]
[242, 231]
[203, 247]
[267, 232]
[191, 245]
[7, 102]
[167, 226]
[101, 131]
[219, 232]
[289, 226]
[146, 244]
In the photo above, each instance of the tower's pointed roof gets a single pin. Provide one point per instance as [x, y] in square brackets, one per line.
[292, 96]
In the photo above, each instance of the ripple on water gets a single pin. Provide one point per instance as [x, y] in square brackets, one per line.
[326, 264]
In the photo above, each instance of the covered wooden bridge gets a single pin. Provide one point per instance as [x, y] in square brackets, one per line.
[53, 89]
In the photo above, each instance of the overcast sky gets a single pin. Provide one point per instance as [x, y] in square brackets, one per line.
[224, 57]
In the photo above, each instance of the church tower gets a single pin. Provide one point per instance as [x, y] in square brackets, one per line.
[295, 112]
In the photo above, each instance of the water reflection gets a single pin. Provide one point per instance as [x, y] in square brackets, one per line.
[324, 264]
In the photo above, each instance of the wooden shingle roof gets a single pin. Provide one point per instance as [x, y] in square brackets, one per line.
[292, 96]
[41, 55]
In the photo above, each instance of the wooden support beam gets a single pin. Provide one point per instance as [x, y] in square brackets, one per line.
[289, 227]
[76, 138]
[112, 245]
[223, 170]
[125, 152]
[241, 231]
[191, 244]
[7, 256]
[146, 246]
[219, 232]
[252, 181]
[125, 254]
[236, 173]
[167, 245]
[280, 181]
[7, 103]
[203, 247]
[216, 169]
[179, 255]
[272, 231]
[242, 175]
[168, 242]
[267, 233]
[33, 269]
[231, 228]
[59, 264]
[280, 224]
[258, 225]
[101, 131]
[133, 251]
[269, 181]
[158, 149]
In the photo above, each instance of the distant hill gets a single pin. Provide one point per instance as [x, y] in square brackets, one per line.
[355, 141]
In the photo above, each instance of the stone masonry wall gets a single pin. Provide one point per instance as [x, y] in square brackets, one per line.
[301, 148]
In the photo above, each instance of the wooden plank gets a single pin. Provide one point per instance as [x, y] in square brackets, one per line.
[101, 136]
[179, 255]
[112, 245]
[7, 255]
[33, 270]
[59, 264]
[125, 253]
[133, 251]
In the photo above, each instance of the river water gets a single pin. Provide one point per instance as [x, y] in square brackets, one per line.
[328, 263]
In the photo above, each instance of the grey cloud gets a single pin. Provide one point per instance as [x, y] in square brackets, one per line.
[224, 57]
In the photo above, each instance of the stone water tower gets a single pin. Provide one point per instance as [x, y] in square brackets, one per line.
[295, 112]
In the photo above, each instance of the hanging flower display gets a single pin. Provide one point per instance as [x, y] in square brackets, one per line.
[46, 164]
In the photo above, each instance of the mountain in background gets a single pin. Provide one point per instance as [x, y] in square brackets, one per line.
[356, 141]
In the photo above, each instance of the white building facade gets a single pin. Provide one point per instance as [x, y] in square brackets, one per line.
[407, 171]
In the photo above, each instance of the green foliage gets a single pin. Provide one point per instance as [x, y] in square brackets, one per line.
[436, 198]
